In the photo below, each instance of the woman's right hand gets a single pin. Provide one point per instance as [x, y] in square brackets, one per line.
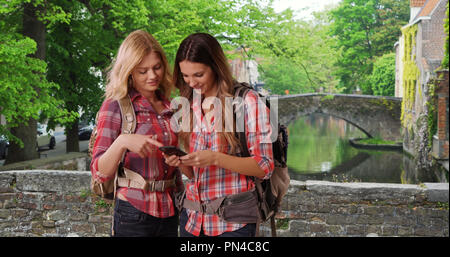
[172, 160]
[143, 145]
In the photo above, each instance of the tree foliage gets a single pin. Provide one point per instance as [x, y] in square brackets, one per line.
[364, 31]
[25, 93]
[81, 39]
[383, 75]
[280, 75]
[298, 55]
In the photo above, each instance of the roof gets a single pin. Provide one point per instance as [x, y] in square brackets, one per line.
[427, 8]
[416, 3]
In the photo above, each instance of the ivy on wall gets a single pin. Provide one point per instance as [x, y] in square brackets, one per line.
[411, 74]
[432, 112]
[446, 47]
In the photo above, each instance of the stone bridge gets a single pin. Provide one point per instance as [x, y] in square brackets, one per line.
[376, 116]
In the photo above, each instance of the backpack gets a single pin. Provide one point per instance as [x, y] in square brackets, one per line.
[107, 189]
[270, 191]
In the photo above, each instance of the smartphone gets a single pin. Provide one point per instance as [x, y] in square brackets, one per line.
[172, 150]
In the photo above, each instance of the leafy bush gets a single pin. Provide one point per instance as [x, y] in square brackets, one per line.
[383, 75]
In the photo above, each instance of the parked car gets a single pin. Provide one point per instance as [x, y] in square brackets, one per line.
[4, 143]
[84, 133]
[44, 138]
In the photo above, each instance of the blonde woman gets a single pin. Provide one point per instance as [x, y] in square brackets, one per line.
[139, 71]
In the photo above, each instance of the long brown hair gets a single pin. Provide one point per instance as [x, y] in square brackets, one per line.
[204, 48]
[134, 47]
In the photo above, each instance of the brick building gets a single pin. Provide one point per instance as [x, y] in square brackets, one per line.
[440, 139]
[428, 15]
[427, 52]
[243, 69]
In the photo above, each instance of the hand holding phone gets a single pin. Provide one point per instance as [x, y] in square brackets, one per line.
[172, 150]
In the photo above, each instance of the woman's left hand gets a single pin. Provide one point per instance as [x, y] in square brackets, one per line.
[201, 158]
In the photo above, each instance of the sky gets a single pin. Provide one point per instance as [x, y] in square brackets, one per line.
[297, 5]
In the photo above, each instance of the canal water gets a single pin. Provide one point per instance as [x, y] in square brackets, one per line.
[319, 149]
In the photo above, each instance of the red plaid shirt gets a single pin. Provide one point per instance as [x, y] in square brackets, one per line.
[212, 182]
[149, 122]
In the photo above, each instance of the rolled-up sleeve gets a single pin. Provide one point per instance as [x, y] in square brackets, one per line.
[258, 131]
[108, 129]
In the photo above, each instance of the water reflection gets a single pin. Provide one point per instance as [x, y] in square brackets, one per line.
[319, 150]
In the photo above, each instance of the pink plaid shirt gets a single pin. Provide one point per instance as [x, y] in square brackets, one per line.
[149, 122]
[212, 182]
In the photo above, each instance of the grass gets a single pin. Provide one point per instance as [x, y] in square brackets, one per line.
[376, 141]
[282, 224]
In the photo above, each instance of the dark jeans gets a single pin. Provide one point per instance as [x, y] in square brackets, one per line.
[248, 230]
[129, 221]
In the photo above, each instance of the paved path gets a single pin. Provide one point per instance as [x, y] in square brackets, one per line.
[60, 148]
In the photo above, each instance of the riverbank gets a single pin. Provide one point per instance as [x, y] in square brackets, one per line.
[376, 144]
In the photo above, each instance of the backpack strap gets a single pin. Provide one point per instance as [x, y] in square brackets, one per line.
[128, 119]
[241, 90]
[128, 127]
[128, 115]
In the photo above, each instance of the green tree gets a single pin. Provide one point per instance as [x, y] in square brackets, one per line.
[71, 45]
[391, 15]
[280, 75]
[353, 23]
[383, 75]
[80, 38]
[303, 49]
[25, 92]
[365, 30]
[81, 49]
[235, 23]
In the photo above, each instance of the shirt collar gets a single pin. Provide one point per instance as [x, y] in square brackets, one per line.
[133, 93]
[135, 96]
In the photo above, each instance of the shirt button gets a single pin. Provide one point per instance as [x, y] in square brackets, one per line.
[165, 171]
[165, 133]
[148, 119]
[159, 116]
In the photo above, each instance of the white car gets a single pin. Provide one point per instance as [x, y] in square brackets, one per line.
[44, 138]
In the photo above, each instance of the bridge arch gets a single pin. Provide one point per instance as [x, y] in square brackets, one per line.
[376, 116]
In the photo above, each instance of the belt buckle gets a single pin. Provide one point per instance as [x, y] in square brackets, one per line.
[203, 208]
[146, 186]
[153, 186]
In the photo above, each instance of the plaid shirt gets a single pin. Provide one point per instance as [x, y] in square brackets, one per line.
[212, 182]
[157, 204]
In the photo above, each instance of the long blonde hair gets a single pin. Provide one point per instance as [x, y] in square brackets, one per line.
[134, 47]
[204, 48]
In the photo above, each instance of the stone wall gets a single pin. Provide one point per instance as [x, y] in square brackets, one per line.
[51, 203]
[328, 209]
[59, 203]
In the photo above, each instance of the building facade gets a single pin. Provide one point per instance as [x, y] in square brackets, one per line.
[419, 54]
